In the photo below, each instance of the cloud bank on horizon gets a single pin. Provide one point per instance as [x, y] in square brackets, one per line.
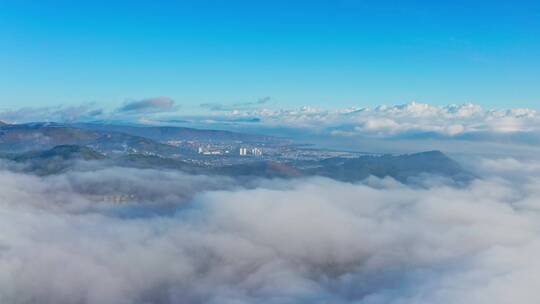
[413, 120]
[307, 241]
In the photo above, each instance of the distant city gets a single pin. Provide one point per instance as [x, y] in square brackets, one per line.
[52, 148]
[223, 153]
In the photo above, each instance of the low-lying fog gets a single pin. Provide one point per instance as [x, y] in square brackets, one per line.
[121, 235]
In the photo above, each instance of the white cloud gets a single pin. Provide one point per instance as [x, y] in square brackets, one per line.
[313, 241]
[408, 119]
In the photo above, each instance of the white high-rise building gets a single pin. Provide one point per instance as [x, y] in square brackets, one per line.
[256, 152]
[243, 151]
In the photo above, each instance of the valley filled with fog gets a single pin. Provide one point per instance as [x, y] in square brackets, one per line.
[184, 238]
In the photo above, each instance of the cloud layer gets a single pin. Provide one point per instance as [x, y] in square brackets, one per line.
[408, 119]
[307, 241]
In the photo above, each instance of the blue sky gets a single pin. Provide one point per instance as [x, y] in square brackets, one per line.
[321, 53]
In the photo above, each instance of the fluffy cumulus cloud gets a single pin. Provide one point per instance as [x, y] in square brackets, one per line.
[412, 119]
[148, 105]
[307, 241]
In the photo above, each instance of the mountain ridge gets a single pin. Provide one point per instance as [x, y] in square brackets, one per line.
[111, 138]
[400, 167]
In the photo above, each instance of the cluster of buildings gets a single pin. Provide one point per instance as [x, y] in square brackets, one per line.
[252, 152]
[242, 151]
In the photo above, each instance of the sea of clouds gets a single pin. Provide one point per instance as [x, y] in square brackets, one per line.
[198, 239]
